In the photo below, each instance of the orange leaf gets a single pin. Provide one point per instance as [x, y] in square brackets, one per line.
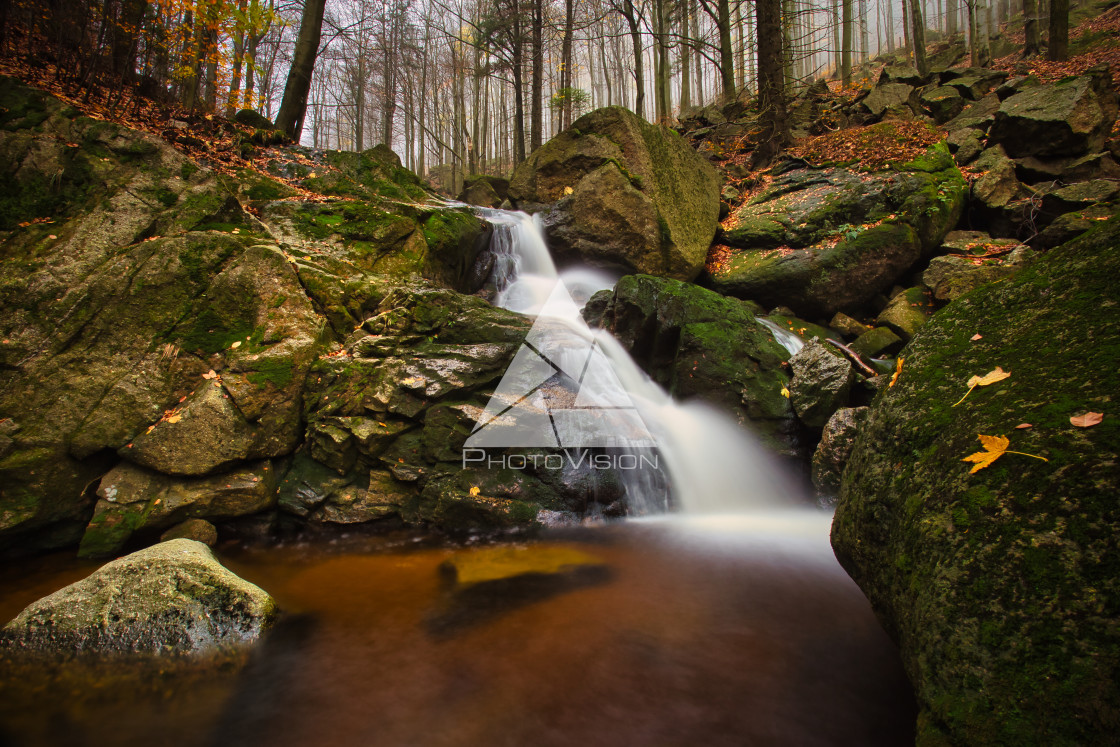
[994, 448]
[475, 490]
[897, 371]
[1088, 420]
[998, 374]
[1023, 426]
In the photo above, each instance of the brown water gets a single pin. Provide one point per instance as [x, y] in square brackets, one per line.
[726, 632]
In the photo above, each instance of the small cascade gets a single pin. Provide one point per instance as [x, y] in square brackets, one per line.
[708, 464]
[783, 337]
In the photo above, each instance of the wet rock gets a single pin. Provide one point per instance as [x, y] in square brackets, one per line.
[132, 499]
[837, 440]
[828, 240]
[198, 530]
[383, 497]
[171, 598]
[907, 312]
[640, 197]
[877, 342]
[938, 547]
[1069, 118]
[698, 343]
[484, 190]
[822, 381]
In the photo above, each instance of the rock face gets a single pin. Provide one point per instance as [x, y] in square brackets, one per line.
[151, 323]
[1070, 117]
[827, 240]
[697, 343]
[174, 597]
[1001, 586]
[624, 193]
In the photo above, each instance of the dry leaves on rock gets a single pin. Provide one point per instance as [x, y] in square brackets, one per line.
[1088, 420]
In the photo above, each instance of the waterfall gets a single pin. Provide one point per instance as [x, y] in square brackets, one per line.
[783, 337]
[707, 463]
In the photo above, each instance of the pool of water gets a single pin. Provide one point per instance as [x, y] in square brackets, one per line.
[714, 631]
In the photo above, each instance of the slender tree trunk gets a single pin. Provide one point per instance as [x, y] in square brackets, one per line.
[694, 13]
[845, 44]
[1030, 28]
[918, 34]
[518, 97]
[537, 31]
[293, 108]
[836, 63]
[686, 59]
[890, 25]
[864, 45]
[951, 15]
[639, 65]
[1059, 31]
[726, 53]
[566, 65]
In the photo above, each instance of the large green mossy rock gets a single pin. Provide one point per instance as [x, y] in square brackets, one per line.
[623, 193]
[172, 598]
[1069, 118]
[822, 240]
[697, 343]
[1001, 587]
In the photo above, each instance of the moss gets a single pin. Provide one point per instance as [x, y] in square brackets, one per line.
[275, 371]
[187, 170]
[1034, 542]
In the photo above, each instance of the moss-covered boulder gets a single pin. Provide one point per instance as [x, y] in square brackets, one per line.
[1001, 586]
[1069, 118]
[822, 240]
[624, 193]
[822, 381]
[697, 343]
[174, 597]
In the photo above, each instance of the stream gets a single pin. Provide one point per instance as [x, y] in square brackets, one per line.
[726, 621]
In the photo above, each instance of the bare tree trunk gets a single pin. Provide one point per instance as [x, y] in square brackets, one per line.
[836, 63]
[566, 65]
[918, 34]
[1030, 28]
[294, 106]
[1059, 31]
[845, 44]
[537, 43]
[951, 14]
[771, 86]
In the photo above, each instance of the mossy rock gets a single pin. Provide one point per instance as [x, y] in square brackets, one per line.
[1002, 586]
[828, 240]
[623, 193]
[698, 343]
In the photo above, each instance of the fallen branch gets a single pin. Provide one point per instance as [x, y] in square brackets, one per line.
[854, 357]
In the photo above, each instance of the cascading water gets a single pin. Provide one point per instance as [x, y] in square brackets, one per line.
[712, 464]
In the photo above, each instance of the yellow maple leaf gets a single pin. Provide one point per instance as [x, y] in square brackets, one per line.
[897, 371]
[994, 448]
[174, 418]
[785, 392]
[568, 190]
[998, 374]
[475, 490]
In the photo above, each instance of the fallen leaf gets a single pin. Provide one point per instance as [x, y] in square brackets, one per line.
[785, 392]
[994, 448]
[976, 337]
[998, 374]
[1023, 426]
[568, 190]
[236, 230]
[174, 418]
[475, 490]
[897, 371]
[236, 344]
[52, 237]
[1088, 420]
[210, 374]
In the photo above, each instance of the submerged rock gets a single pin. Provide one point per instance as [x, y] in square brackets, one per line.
[623, 193]
[1001, 585]
[822, 240]
[171, 598]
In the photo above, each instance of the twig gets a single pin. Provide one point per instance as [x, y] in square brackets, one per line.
[854, 356]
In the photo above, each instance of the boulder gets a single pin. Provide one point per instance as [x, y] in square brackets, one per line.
[171, 598]
[949, 278]
[1069, 118]
[832, 453]
[977, 116]
[134, 500]
[846, 325]
[942, 103]
[877, 342]
[907, 312]
[697, 343]
[973, 83]
[621, 192]
[199, 530]
[1080, 195]
[886, 95]
[484, 190]
[1000, 583]
[822, 240]
[254, 119]
[907, 74]
[822, 381]
[967, 144]
[1070, 225]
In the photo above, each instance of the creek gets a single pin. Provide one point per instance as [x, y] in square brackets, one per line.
[724, 621]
